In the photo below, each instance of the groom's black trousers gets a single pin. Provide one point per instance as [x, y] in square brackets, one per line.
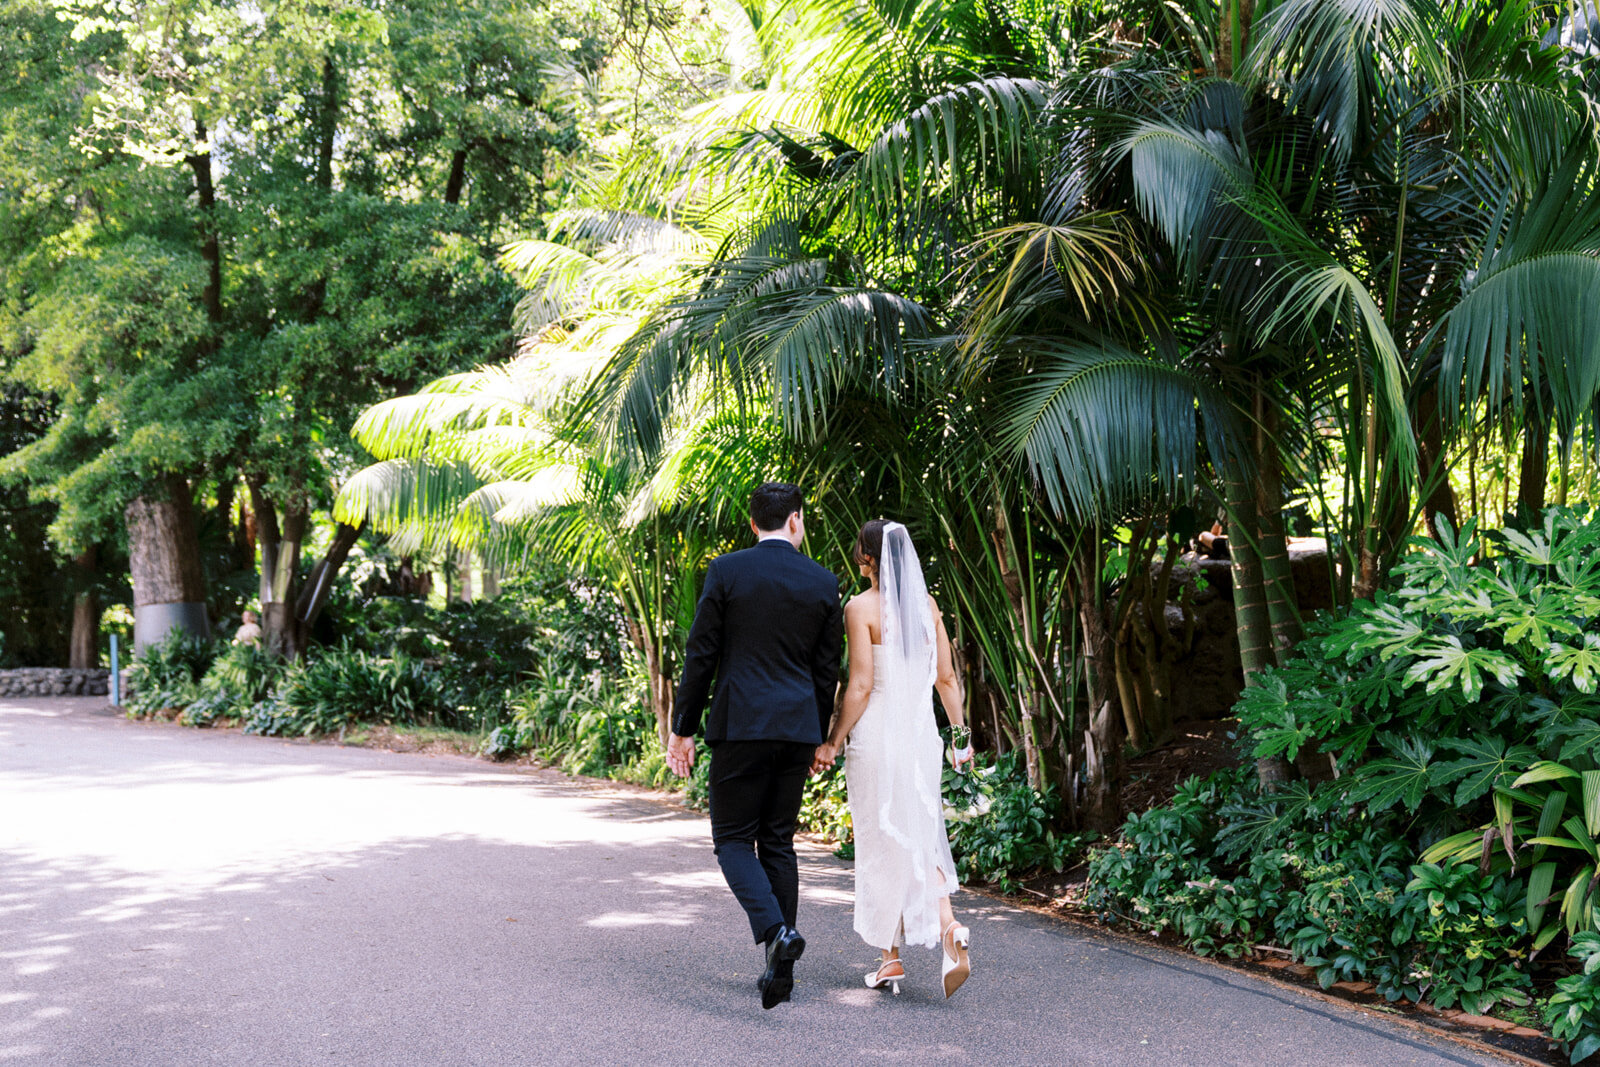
[756, 787]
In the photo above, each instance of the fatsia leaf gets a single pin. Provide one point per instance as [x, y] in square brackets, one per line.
[1446, 663]
[1580, 665]
[1383, 783]
[1581, 738]
[1535, 620]
[1486, 763]
[1386, 628]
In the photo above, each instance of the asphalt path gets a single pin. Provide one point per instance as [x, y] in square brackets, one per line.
[179, 896]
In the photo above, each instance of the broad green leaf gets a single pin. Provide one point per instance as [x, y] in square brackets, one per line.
[1555, 805]
[1577, 894]
[1455, 848]
[1591, 802]
[1556, 842]
[1446, 664]
[1540, 881]
[1545, 771]
[1574, 826]
[1486, 761]
[1581, 664]
[1531, 547]
[1385, 782]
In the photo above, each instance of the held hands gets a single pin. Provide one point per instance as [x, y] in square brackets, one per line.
[680, 755]
[826, 754]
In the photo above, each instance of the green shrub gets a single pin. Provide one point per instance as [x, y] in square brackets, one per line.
[1225, 867]
[1573, 1011]
[581, 720]
[1017, 836]
[488, 652]
[825, 809]
[331, 691]
[167, 674]
[241, 677]
[1485, 659]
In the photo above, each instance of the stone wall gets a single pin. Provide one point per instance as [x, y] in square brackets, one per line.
[54, 682]
[1211, 678]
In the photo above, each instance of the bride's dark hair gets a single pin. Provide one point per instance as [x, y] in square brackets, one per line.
[869, 542]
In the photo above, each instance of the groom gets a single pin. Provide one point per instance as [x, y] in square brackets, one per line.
[769, 630]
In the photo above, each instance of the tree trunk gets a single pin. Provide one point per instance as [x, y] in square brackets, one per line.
[458, 176]
[1277, 580]
[164, 557]
[1440, 500]
[84, 650]
[1102, 741]
[280, 562]
[315, 294]
[210, 247]
[1534, 470]
[661, 684]
[327, 122]
[1027, 694]
[1234, 40]
[319, 587]
[1252, 618]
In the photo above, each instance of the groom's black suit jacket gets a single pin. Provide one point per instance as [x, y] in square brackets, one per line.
[769, 630]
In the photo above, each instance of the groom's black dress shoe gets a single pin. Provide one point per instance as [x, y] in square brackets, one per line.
[777, 980]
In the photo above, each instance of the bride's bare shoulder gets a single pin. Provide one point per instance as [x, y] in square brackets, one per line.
[866, 600]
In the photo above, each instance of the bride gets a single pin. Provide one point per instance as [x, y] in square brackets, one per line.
[899, 653]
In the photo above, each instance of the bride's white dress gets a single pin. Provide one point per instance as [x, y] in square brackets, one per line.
[892, 768]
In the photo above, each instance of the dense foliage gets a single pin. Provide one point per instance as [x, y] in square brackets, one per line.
[1458, 840]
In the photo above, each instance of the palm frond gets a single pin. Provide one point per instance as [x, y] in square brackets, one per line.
[406, 427]
[1526, 329]
[1184, 180]
[1336, 60]
[1102, 427]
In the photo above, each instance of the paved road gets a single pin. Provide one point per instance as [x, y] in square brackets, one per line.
[172, 896]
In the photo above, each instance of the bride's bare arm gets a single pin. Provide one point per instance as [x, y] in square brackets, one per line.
[948, 682]
[859, 690]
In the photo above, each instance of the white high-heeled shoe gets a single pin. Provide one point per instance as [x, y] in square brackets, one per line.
[957, 964]
[889, 973]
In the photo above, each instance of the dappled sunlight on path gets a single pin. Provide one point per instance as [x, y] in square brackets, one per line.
[187, 897]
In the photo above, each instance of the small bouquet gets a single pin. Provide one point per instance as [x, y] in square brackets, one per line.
[968, 793]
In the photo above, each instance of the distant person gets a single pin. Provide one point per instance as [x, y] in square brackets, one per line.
[249, 632]
[899, 654]
[768, 629]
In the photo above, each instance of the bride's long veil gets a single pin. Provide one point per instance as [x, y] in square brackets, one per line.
[911, 810]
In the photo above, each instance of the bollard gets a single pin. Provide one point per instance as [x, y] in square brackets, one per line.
[116, 675]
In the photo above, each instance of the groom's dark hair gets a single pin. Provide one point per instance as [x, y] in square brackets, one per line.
[773, 503]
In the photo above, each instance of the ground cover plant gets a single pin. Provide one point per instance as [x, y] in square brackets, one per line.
[1454, 855]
